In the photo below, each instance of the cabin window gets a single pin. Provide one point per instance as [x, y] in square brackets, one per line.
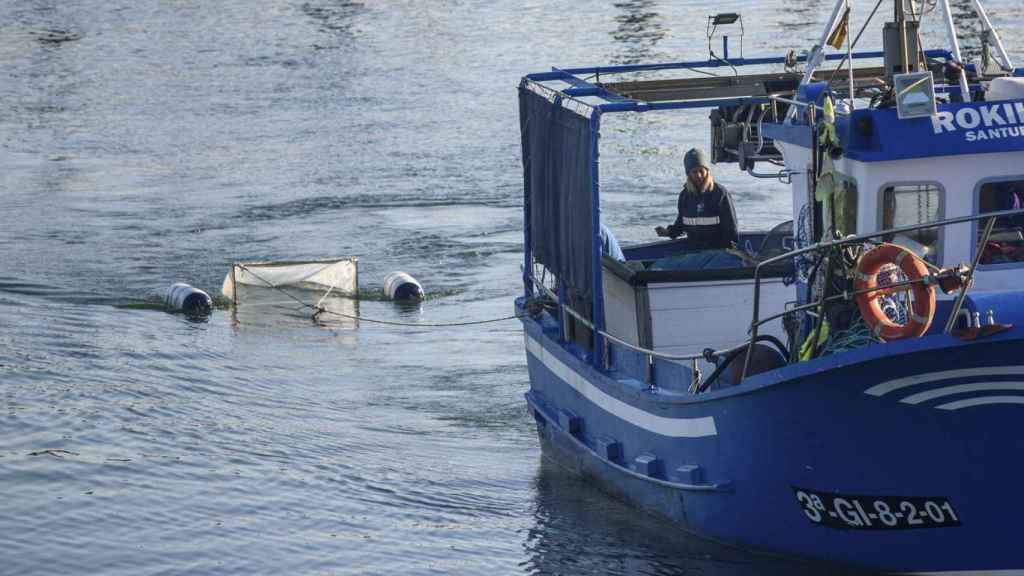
[911, 204]
[1006, 244]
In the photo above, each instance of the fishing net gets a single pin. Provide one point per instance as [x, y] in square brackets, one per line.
[896, 306]
[339, 276]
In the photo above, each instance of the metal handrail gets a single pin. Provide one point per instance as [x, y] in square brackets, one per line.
[854, 239]
[649, 353]
[816, 107]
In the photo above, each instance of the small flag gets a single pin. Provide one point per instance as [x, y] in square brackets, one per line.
[838, 36]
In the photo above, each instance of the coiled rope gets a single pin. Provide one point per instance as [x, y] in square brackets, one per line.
[856, 336]
[318, 310]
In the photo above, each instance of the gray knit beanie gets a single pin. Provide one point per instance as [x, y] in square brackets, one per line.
[694, 158]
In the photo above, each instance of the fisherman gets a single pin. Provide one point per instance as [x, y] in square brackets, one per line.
[706, 213]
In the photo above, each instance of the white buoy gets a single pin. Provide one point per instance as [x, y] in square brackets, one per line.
[401, 286]
[187, 299]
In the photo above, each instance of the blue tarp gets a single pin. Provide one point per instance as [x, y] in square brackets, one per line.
[702, 260]
[558, 154]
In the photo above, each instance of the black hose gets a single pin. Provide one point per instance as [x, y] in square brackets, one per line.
[732, 355]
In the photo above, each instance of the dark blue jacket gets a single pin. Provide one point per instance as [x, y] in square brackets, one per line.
[708, 218]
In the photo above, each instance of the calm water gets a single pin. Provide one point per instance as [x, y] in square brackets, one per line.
[146, 142]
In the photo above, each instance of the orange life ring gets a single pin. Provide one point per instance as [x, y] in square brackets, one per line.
[866, 284]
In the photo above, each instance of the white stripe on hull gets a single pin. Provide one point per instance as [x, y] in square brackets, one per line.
[963, 389]
[983, 401]
[892, 385]
[969, 572]
[671, 427]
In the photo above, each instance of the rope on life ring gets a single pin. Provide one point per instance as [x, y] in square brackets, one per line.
[922, 310]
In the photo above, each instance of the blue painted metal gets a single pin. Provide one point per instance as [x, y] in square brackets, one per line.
[581, 91]
[649, 465]
[974, 128]
[609, 448]
[615, 103]
[570, 422]
[562, 73]
[690, 474]
[799, 134]
[595, 211]
[738, 62]
[879, 135]
[581, 87]
[635, 106]
[812, 92]
[811, 425]
[660, 249]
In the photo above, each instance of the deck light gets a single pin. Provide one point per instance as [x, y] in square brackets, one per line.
[915, 95]
[724, 18]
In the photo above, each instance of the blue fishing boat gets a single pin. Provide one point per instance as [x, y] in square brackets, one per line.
[842, 387]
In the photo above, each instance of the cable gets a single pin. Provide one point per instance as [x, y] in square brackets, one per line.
[731, 356]
[856, 336]
[416, 324]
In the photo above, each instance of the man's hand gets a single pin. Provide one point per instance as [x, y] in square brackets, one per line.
[661, 231]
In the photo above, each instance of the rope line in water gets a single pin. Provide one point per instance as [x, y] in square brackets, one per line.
[321, 310]
[417, 324]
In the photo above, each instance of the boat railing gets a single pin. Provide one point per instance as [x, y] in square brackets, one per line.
[812, 107]
[757, 321]
[649, 354]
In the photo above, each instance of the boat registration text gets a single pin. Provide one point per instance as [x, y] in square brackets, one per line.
[857, 512]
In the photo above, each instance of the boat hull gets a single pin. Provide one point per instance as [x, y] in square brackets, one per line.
[902, 458]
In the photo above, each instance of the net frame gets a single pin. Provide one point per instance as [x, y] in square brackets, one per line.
[248, 274]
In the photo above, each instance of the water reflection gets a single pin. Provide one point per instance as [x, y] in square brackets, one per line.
[336, 18]
[802, 21]
[640, 29]
[969, 30]
[579, 530]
